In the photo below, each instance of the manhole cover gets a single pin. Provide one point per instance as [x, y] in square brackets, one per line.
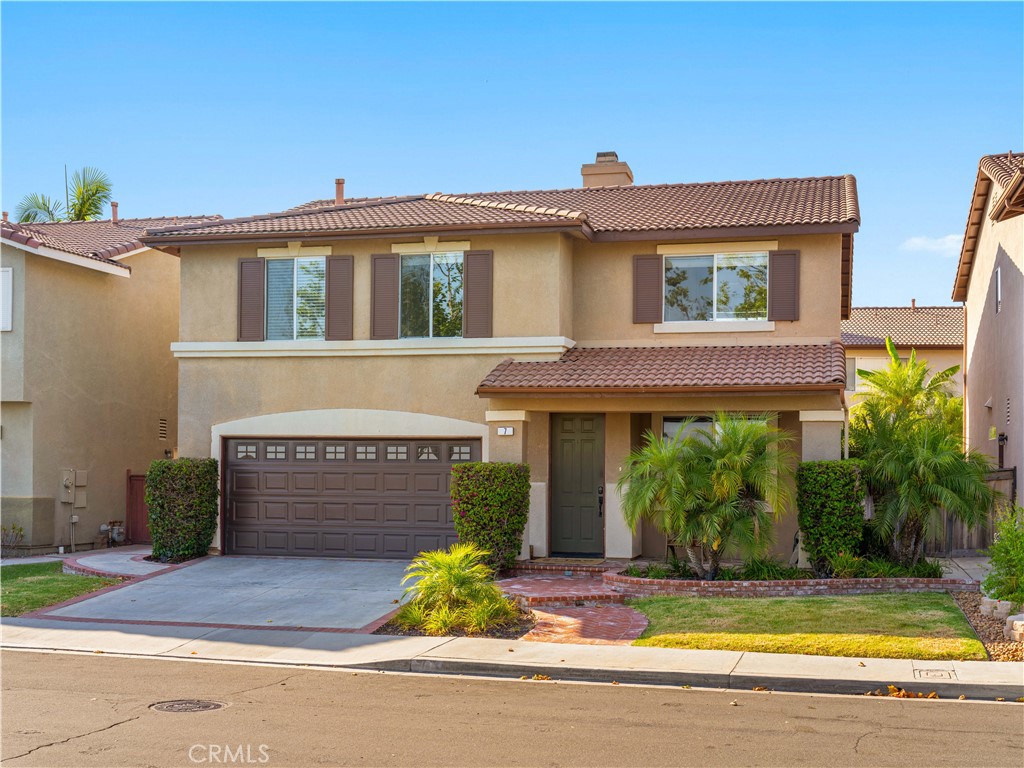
[186, 705]
[935, 674]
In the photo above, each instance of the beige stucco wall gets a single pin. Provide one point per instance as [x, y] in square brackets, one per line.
[875, 359]
[995, 342]
[12, 342]
[545, 285]
[98, 375]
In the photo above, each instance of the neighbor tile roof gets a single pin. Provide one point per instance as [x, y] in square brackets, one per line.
[674, 369]
[101, 239]
[908, 326]
[1006, 172]
[732, 205]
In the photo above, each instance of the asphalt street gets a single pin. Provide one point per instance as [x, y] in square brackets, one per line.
[95, 710]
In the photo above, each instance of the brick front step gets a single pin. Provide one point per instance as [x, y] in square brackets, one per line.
[541, 589]
[630, 586]
[526, 567]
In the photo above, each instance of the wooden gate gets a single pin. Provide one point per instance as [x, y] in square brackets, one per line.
[137, 514]
[957, 540]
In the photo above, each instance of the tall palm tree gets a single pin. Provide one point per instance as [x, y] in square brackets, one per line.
[711, 487]
[89, 191]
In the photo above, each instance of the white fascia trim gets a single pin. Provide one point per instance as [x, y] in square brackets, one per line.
[74, 258]
[511, 345]
[715, 326]
[822, 416]
[130, 253]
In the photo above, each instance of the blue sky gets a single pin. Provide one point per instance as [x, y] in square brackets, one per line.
[246, 108]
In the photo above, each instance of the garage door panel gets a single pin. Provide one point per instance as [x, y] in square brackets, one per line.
[340, 497]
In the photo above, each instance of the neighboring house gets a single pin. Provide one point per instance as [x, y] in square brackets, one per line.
[339, 357]
[935, 333]
[989, 281]
[89, 385]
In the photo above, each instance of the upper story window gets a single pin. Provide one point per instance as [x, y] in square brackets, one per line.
[722, 286]
[296, 298]
[430, 304]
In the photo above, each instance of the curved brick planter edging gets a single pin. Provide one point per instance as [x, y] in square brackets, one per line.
[632, 586]
[74, 565]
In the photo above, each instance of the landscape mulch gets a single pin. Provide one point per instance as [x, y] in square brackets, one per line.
[988, 629]
[511, 631]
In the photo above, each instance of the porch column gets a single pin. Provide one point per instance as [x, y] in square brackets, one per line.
[619, 540]
[507, 431]
[821, 435]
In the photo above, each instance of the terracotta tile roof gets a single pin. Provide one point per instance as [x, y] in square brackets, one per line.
[386, 214]
[1006, 173]
[908, 326]
[674, 369]
[101, 239]
[829, 201]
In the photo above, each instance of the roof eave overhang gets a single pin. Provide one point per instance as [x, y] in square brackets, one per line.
[110, 268]
[972, 231]
[902, 345]
[1011, 202]
[656, 391]
[389, 233]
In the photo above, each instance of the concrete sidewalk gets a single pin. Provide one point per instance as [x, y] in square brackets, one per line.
[515, 658]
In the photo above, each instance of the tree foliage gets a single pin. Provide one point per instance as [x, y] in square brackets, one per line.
[89, 191]
[708, 488]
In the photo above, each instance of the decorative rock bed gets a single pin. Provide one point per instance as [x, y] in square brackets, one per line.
[632, 586]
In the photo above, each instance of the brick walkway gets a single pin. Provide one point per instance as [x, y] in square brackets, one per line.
[595, 625]
[537, 590]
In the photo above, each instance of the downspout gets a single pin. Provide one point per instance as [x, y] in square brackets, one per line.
[963, 376]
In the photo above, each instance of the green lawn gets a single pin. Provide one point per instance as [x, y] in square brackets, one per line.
[25, 588]
[909, 626]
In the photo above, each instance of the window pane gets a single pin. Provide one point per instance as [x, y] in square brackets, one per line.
[309, 296]
[851, 374]
[415, 293]
[742, 287]
[447, 294]
[671, 425]
[280, 296]
[689, 288]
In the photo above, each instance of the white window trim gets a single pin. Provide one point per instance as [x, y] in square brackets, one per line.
[505, 346]
[7, 299]
[715, 324]
[430, 308]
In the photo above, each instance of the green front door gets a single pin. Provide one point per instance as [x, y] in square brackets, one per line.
[577, 484]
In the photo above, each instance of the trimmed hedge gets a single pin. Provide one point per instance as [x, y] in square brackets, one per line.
[490, 504]
[182, 498]
[829, 502]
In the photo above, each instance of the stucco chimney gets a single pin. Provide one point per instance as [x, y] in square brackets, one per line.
[113, 212]
[339, 191]
[606, 171]
[5, 215]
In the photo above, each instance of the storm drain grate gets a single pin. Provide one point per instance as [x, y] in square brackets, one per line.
[186, 705]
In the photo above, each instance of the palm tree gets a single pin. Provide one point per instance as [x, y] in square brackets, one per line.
[711, 487]
[89, 191]
[908, 430]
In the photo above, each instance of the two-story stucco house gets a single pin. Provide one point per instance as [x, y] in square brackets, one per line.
[935, 334]
[990, 282]
[339, 357]
[89, 385]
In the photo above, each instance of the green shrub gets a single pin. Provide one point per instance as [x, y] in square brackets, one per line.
[182, 498]
[843, 565]
[881, 568]
[927, 569]
[830, 495]
[1006, 580]
[657, 571]
[490, 504]
[678, 568]
[635, 571]
[453, 590]
[728, 573]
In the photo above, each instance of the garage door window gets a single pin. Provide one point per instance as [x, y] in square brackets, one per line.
[459, 453]
[305, 452]
[334, 453]
[366, 453]
[397, 453]
[427, 453]
[245, 451]
[276, 452]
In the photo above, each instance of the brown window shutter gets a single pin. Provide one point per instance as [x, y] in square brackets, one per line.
[384, 280]
[339, 298]
[252, 296]
[784, 285]
[647, 291]
[477, 294]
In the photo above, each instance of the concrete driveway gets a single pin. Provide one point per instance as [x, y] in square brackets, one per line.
[256, 591]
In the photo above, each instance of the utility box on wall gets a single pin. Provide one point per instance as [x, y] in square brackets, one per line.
[67, 486]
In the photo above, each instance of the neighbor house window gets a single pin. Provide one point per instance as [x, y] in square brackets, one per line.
[6, 298]
[295, 298]
[722, 286]
[999, 288]
[851, 374]
[431, 295]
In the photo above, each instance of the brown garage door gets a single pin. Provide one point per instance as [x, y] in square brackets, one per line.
[345, 497]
